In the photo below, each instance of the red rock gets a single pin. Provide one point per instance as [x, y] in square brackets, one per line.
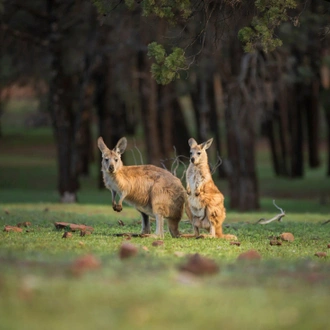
[320, 254]
[199, 265]
[288, 237]
[85, 263]
[12, 228]
[67, 235]
[24, 224]
[73, 227]
[127, 250]
[157, 243]
[249, 255]
[235, 243]
[275, 242]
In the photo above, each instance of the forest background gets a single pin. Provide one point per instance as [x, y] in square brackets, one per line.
[254, 75]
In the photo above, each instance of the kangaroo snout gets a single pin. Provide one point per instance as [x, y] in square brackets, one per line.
[192, 159]
[111, 168]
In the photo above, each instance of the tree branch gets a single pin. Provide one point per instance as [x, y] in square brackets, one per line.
[278, 217]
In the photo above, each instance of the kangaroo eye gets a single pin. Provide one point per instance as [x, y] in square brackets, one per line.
[198, 153]
[116, 160]
[106, 159]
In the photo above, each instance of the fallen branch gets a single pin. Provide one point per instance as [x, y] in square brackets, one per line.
[73, 227]
[325, 222]
[278, 217]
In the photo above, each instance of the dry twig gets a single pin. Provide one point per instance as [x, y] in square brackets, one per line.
[278, 217]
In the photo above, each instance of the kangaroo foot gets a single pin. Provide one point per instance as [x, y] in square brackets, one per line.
[229, 237]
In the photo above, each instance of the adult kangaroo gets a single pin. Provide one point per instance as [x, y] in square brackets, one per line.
[153, 191]
[205, 200]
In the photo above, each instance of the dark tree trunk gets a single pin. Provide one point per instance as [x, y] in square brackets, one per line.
[313, 127]
[201, 108]
[110, 109]
[241, 173]
[180, 131]
[268, 128]
[173, 132]
[214, 122]
[296, 119]
[148, 97]
[327, 116]
[60, 105]
[325, 96]
[165, 121]
[84, 139]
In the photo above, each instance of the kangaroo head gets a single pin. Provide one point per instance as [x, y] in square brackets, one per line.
[111, 159]
[198, 153]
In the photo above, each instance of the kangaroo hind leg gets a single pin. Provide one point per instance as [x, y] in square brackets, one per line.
[173, 226]
[145, 224]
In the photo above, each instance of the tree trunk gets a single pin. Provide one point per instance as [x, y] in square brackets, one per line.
[61, 111]
[241, 173]
[325, 96]
[313, 123]
[297, 157]
[148, 97]
[327, 116]
[110, 109]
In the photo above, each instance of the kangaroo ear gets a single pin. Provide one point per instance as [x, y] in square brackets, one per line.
[100, 143]
[207, 144]
[121, 145]
[192, 143]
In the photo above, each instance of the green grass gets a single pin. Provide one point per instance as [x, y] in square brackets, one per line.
[287, 289]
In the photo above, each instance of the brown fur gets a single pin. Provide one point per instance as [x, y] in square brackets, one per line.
[152, 190]
[205, 201]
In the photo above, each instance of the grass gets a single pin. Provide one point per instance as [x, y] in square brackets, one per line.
[149, 291]
[287, 289]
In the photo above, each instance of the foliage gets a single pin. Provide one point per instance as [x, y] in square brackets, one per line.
[166, 67]
[260, 35]
[171, 10]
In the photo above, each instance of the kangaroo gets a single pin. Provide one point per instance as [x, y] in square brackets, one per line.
[205, 201]
[153, 191]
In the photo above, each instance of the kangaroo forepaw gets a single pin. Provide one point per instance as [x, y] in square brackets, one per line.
[117, 207]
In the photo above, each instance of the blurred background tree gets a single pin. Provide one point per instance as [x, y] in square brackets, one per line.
[234, 70]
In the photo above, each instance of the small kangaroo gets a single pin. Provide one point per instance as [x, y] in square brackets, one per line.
[206, 202]
[153, 191]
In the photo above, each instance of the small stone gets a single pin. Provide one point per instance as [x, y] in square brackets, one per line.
[287, 237]
[67, 234]
[275, 242]
[12, 228]
[199, 265]
[157, 243]
[320, 254]
[85, 263]
[127, 250]
[235, 243]
[249, 255]
[24, 224]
